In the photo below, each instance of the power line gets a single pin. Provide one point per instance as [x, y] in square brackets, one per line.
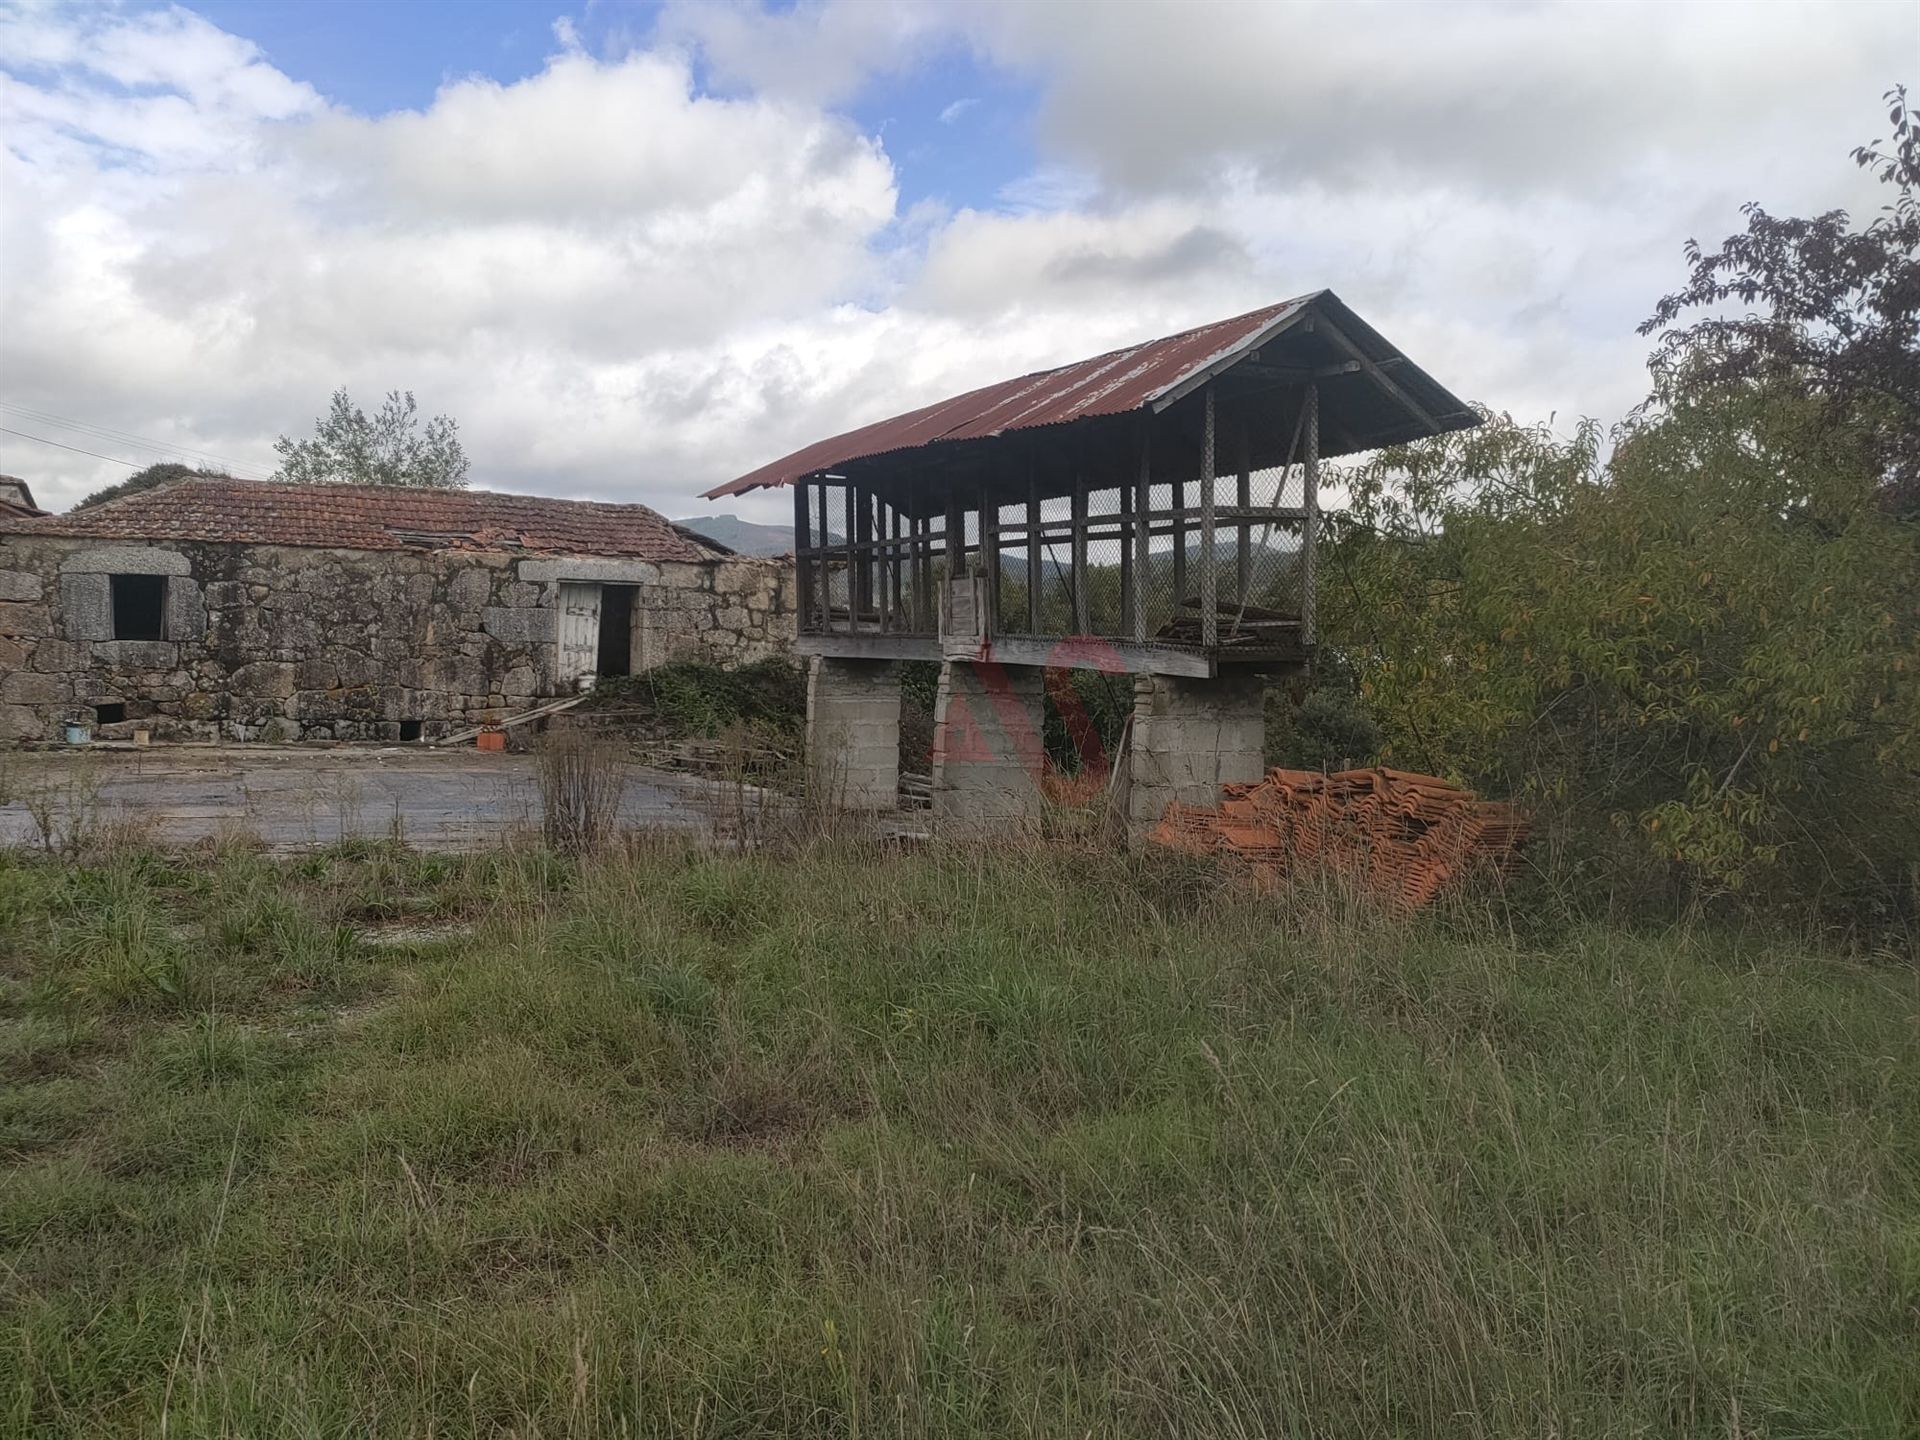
[127, 438]
[75, 448]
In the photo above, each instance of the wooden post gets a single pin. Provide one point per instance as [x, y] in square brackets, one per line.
[1082, 601]
[853, 560]
[956, 537]
[1141, 524]
[883, 561]
[1033, 550]
[990, 556]
[826, 576]
[1177, 492]
[1209, 571]
[802, 544]
[1310, 504]
[1243, 497]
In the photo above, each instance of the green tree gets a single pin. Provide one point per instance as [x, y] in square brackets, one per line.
[1828, 308]
[164, 473]
[1697, 657]
[389, 448]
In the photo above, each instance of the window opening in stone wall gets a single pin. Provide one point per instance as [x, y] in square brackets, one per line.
[139, 607]
[111, 713]
[616, 630]
[409, 729]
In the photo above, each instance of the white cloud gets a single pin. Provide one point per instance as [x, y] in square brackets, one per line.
[627, 284]
[958, 108]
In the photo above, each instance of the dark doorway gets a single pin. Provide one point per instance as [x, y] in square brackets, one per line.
[616, 630]
[409, 729]
[139, 607]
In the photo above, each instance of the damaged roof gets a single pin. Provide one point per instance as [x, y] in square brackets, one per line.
[364, 517]
[1371, 394]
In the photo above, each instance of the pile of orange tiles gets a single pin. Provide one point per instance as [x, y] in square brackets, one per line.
[1406, 837]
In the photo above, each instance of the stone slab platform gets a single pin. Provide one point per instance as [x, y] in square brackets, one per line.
[296, 798]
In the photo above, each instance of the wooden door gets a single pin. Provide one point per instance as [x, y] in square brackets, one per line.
[579, 632]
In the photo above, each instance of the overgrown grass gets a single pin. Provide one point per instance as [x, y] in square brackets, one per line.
[848, 1142]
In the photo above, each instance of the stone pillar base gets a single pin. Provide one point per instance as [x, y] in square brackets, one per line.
[1190, 737]
[853, 734]
[988, 756]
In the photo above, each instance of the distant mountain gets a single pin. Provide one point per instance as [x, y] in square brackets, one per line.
[742, 535]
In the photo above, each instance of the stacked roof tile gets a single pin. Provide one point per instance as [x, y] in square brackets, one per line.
[363, 517]
[1406, 837]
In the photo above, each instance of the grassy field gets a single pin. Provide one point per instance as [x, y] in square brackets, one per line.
[847, 1143]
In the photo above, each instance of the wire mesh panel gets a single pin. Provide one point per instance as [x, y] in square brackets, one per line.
[1265, 562]
[1165, 542]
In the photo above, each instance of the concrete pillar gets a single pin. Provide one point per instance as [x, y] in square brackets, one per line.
[988, 756]
[1190, 737]
[853, 734]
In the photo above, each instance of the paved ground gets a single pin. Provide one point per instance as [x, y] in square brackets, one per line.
[293, 798]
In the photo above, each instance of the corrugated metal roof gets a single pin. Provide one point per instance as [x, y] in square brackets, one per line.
[365, 517]
[1137, 377]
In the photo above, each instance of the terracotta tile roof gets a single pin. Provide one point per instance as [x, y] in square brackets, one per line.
[357, 517]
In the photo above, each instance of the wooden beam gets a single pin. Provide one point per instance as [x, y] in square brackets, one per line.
[1233, 357]
[870, 647]
[1060, 652]
[1373, 371]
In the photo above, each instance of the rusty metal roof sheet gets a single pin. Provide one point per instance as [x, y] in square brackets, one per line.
[1143, 376]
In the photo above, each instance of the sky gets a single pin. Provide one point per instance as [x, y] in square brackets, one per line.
[638, 249]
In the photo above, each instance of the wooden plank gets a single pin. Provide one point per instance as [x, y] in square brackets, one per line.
[552, 707]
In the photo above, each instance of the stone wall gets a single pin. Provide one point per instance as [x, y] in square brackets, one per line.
[271, 642]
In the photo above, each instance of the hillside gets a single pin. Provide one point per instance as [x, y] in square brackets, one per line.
[743, 536]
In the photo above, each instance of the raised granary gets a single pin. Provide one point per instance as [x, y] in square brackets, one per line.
[231, 609]
[1150, 511]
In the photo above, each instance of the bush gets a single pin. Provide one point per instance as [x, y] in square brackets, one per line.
[582, 777]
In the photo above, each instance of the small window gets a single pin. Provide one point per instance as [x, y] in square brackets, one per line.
[139, 607]
[409, 729]
[110, 714]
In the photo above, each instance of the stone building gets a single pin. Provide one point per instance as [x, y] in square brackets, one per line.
[216, 608]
